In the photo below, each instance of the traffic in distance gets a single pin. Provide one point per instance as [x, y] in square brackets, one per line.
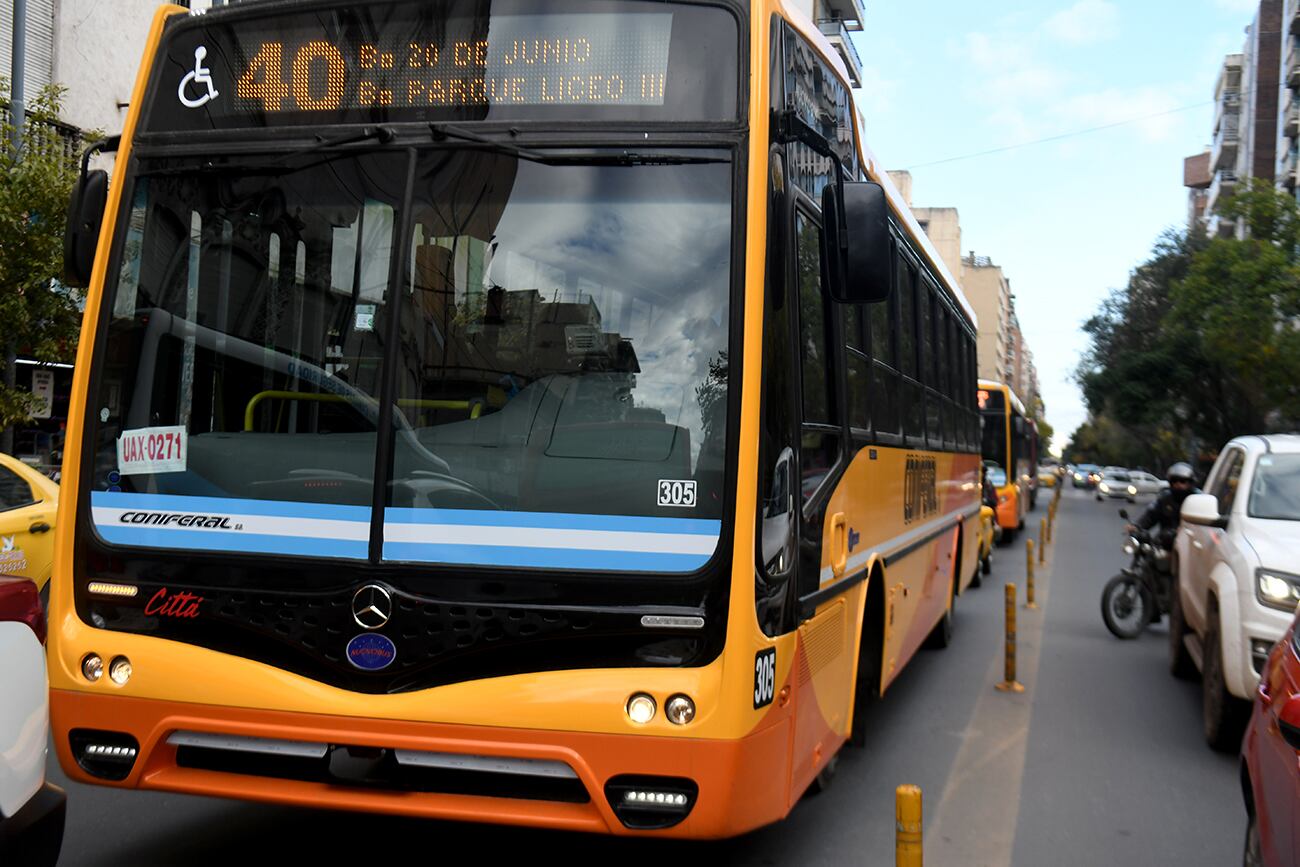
[550, 418]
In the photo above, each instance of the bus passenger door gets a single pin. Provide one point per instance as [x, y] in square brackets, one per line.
[824, 667]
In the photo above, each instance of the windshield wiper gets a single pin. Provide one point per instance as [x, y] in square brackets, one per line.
[443, 132]
[381, 134]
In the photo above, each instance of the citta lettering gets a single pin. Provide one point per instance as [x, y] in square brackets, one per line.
[182, 604]
[163, 519]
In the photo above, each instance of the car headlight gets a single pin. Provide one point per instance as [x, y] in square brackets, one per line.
[1078, 477]
[1277, 589]
[1105, 488]
[1132, 491]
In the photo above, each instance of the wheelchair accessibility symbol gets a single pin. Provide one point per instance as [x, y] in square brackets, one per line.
[200, 77]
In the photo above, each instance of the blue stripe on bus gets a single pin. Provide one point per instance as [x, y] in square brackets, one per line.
[552, 558]
[244, 543]
[229, 506]
[554, 521]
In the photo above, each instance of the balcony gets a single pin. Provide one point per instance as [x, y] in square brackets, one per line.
[838, 35]
[1291, 120]
[1223, 185]
[1228, 105]
[848, 11]
[1224, 154]
[1293, 25]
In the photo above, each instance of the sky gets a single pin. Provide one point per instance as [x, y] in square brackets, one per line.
[1068, 220]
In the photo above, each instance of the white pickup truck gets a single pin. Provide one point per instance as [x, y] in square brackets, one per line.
[1237, 581]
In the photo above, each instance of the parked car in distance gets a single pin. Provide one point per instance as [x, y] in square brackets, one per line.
[28, 503]
[32, 811]
[1082, 475]
[1115, 484]
[1270, 771]
[1235, 587]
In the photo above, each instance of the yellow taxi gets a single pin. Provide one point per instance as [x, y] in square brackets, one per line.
[1047, 477]
[28, 501]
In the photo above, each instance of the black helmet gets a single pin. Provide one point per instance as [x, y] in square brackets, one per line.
[1180, 472]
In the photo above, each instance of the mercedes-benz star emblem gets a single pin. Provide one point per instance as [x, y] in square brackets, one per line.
[372, 606]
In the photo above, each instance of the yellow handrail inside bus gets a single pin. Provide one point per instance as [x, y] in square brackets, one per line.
[475, 407]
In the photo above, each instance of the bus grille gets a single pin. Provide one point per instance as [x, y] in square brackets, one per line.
[381, 767]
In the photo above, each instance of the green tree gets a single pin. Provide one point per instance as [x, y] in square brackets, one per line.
[41, 317]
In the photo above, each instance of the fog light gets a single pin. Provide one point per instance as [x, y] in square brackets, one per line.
[680, 709]
[655, 799]
[641, 708]
[92, 667]
[119, 671]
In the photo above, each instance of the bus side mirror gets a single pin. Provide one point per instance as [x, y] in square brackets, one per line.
[860, 271]
[85, 213]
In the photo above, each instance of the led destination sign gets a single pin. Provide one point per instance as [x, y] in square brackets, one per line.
[523, 60]
[401, 61]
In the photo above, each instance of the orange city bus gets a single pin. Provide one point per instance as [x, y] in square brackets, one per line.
[545, 415]
[1008, 450]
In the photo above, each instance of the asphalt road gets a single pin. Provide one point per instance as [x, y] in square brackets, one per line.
[1099, 761]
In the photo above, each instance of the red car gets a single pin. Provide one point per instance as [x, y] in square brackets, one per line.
[1270, 760]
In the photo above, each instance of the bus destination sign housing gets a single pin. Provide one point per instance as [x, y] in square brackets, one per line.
[410, 62]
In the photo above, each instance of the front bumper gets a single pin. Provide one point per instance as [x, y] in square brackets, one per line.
[734, 777]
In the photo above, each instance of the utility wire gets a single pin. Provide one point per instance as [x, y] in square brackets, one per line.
[1064, 135]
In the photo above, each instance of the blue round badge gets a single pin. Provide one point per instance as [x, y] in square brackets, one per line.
[371, 651]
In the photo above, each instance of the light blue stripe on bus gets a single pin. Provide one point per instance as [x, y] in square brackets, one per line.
[554, 521]
[551, 558]
[244, 543]
[229, 506]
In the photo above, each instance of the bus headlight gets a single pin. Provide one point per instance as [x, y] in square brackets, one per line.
[680, 710]
[641, 708]
[92, 667]
[119, 670]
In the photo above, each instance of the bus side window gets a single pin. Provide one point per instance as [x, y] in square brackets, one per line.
[857, 370]
[820, 432]
[912, 395]
[884, 381]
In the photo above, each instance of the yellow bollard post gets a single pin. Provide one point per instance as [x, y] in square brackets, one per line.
[1029, 574]
[1009, 683]
[1042, 540]
[907, 817]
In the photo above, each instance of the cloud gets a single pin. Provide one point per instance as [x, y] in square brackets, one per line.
[1085, 22]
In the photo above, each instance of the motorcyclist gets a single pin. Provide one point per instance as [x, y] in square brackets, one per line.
[1164, 511]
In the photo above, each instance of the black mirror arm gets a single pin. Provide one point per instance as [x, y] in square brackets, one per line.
[792, 128]
[106, 146]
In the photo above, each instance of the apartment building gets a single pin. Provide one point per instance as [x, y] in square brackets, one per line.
[1197, 177]
[1288, 124]
[1245, 136]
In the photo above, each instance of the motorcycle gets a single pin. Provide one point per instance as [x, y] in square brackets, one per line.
[1141, 592]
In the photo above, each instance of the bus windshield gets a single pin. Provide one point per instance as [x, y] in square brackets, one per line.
[552, 347]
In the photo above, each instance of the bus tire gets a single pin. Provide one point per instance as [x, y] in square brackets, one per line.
[866, 691]
[941, 636]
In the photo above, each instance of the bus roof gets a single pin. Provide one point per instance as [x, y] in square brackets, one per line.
[875, 172]
[991, 385]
